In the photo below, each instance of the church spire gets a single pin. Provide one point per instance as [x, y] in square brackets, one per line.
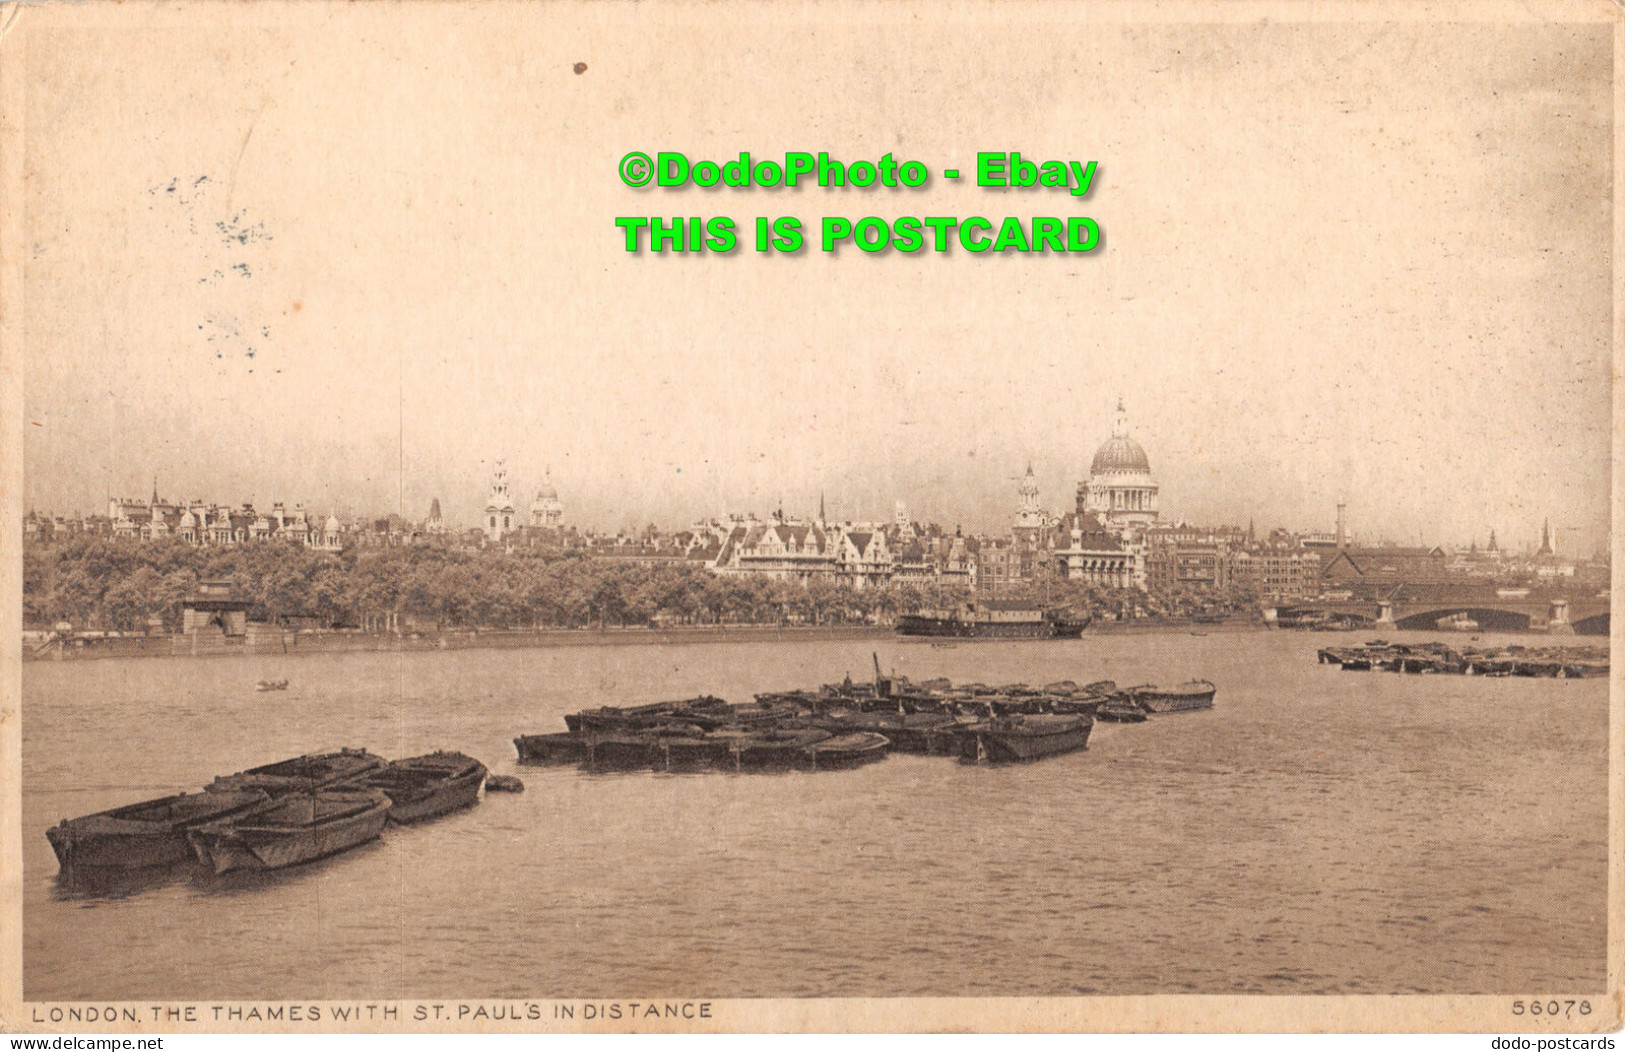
[1029, 492]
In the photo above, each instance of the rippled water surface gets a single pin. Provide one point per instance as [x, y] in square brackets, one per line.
[1318, 831]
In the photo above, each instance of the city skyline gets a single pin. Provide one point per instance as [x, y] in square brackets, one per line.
[275, 303]
[1508, 538]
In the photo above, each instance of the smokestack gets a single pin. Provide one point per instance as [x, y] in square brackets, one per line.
[1342, 537]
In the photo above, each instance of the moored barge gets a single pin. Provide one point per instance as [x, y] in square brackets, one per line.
[303, 773]
[1197, 694]
[151, 833]
[847, 750]
[775, 749]
[428, 786]
[294, 828]
[1435, 658]
[1019, 739]
[551, 748]
[992, 619]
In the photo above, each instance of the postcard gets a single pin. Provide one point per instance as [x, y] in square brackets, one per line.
[812, 516]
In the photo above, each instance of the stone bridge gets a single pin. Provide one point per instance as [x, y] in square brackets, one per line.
[1558, 614]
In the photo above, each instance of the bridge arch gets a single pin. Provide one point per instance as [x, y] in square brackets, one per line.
[1489, 619]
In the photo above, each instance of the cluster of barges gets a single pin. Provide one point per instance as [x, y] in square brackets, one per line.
[846, 725]
[274, 816]
[1443, 659]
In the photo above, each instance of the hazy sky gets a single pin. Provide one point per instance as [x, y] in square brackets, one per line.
[351, 256]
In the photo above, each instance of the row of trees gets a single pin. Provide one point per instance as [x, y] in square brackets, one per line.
[95, 583]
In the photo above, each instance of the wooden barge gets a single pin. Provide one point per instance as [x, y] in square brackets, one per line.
[849, 724]
[294, 828]
[992, 619]
[302, 773]
[428, 786]
[273, 816]
[1442, 659]
[1187, 697]
[1021, 739]
[151, 833]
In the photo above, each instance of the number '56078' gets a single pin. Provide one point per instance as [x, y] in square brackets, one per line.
[1566, 1008]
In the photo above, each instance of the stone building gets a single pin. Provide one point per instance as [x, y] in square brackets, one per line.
[1031, 522]
[1120, 490]
[783, 549]
[1363, 569]
[220, 526]
[1277, 570]
[1086, 550]
[499, 514]
[1103, 539]
[213, 609]
[546, 511]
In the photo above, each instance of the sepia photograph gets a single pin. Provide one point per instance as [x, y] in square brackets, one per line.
[809, 517]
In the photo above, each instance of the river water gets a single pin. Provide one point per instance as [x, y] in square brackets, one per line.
[1318, 831]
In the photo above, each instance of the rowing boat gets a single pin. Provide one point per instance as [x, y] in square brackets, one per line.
[294, 828]
[151, 833]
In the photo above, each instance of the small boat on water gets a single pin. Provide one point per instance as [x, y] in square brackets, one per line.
[847, 750]
[426, 786]
[151, 833]
[1075, 706]
[1121, 709]
[755, 714]
[302, 773]
[796, 699]
[774, 749]
[271, 684]
[926, 733]
[1197, 694]
[294, 828]
[1018, 739]
[641, 717]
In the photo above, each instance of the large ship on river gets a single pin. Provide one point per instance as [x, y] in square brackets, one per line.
[993, 619]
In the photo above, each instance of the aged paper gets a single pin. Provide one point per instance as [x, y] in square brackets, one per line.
[417, 381]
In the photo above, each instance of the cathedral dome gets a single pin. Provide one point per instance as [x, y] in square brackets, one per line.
[547, 492]
[1120, 453]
